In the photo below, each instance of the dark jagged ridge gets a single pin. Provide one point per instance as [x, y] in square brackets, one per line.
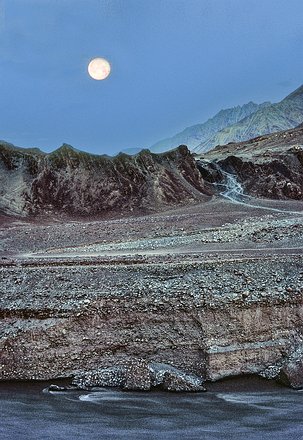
[77, 183]
[268, 166]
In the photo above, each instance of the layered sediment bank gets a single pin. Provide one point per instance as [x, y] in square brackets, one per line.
[207, 304]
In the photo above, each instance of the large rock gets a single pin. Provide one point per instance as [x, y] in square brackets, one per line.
[138, 375]
[291, 373]
[172, 379]
[133, 375]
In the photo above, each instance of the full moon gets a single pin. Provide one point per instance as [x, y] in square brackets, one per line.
[99, 68]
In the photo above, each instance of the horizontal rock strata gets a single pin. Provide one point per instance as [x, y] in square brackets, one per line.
[84, 318]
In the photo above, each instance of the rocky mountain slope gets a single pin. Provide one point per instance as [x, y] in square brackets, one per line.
[284, 115]
[77, 183]
[269, 166]
[194, 135]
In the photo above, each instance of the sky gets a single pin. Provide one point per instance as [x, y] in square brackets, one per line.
[174, 63]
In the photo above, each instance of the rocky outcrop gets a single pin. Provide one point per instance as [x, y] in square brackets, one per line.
[75, 183]
[269, 166]
[138, 375]
[291, 372]
[274, 179]
[177, 381]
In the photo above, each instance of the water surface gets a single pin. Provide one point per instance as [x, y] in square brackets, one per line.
[252, 414]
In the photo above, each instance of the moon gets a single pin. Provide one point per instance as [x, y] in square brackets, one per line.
[99, 68]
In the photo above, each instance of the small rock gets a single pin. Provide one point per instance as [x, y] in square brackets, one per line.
[57, 388]
[245, 294]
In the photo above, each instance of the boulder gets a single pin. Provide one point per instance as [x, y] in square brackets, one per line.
[171, 379]
[291, 373]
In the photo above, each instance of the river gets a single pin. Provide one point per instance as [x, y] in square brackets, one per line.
[29, 412]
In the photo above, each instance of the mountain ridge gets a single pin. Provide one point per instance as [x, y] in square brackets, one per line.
[238, 124]
[75, 183]
[192, 136]
[284, 115]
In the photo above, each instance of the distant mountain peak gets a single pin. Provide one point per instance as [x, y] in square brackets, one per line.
[195, 134]
[239, 123]
[283, 115]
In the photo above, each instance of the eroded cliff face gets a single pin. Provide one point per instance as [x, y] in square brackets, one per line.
[80, 318]
[75, 183]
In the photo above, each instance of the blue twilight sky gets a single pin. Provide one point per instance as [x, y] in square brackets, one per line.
[174, 63]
